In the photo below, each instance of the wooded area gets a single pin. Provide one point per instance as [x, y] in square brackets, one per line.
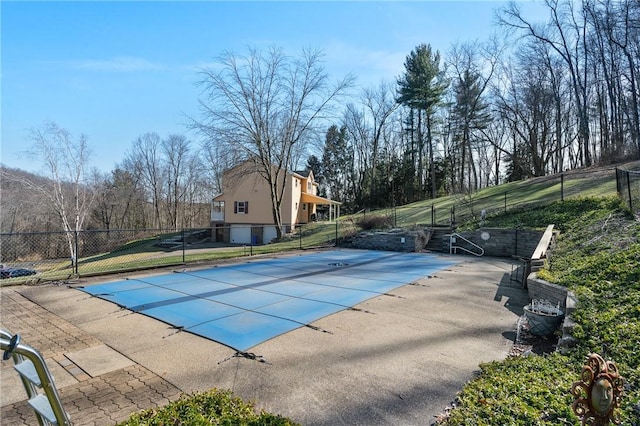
[538, 99]
[541, 100]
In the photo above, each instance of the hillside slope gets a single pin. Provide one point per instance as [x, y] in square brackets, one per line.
[598, 257]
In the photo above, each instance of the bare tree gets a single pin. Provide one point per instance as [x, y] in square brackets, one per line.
[144, 161]
[217, 160]
[473, 66]
[22, 207]
[176, 152]
[565, 35]
[379, 104]
[66, 165]
[264, 105]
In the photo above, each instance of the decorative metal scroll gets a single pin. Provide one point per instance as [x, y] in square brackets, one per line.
[598, 393]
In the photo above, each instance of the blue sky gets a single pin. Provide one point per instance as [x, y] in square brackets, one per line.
[116, 70]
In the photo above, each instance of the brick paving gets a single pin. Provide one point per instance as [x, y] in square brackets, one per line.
[103, 400]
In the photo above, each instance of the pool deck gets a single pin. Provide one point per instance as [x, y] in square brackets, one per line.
[398, 360]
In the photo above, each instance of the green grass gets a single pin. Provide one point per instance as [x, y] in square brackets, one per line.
[507, 197]
[143, 253]
[598, 257]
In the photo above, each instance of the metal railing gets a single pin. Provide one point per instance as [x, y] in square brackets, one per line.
[35, 375]
[453, 249]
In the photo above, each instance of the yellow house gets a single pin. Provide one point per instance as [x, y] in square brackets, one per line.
[243, 213]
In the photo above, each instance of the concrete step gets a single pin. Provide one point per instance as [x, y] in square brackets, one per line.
[439, 241]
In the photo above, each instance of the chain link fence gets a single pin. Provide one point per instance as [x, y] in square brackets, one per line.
[57, 256]
[628, 186]
[460, 208]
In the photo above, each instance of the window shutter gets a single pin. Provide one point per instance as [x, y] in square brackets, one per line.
[246, 207]
[235, 207]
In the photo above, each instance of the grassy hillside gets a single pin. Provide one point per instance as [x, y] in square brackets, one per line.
[598, 257]
[508, 197]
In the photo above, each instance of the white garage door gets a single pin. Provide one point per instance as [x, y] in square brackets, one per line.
[241, 234]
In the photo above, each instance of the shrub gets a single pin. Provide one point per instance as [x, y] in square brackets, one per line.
[375, 222]
[215, 407]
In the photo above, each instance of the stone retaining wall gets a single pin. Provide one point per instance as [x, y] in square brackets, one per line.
[566, 299]
[501, 242]
[394, 240]
[495, 242]
[541, 289]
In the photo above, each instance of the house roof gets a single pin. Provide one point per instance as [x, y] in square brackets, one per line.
[308, 198]
[303, 173]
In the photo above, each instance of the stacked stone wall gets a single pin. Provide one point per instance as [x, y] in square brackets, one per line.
[541, 289]
[398, 240]
[500, 242]
[495, 242]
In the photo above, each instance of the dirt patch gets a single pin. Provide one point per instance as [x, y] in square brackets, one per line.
[526, 343]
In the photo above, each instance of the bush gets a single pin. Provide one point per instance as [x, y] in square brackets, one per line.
[215, 407]
[368, 223]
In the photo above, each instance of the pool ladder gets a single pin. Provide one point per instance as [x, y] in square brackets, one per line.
[36, 378]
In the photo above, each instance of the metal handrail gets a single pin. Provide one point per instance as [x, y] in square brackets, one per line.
[453, 249]
[21, 350]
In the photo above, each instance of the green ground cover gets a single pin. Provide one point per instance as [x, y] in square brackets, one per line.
[215, 407]
[598, 257]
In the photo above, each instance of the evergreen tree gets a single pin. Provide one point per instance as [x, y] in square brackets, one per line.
[469, 114]
[422, 87]
[315, 165]
[335, 165]
[519, 165]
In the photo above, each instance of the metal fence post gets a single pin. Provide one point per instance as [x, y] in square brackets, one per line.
[433, 215]
[184, 248]
[336, 243]
[629, 189]
[75, 258]
[452, 221]
[561, 186]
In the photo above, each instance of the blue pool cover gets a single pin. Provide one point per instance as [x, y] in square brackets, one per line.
[245, 304]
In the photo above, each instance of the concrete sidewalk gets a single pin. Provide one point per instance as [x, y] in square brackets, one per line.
[399, 361]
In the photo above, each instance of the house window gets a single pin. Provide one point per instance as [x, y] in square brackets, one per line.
[308, 186]
[296, 206]
[296, 181]
[304, 206]
[218, 206]
[241, 207]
